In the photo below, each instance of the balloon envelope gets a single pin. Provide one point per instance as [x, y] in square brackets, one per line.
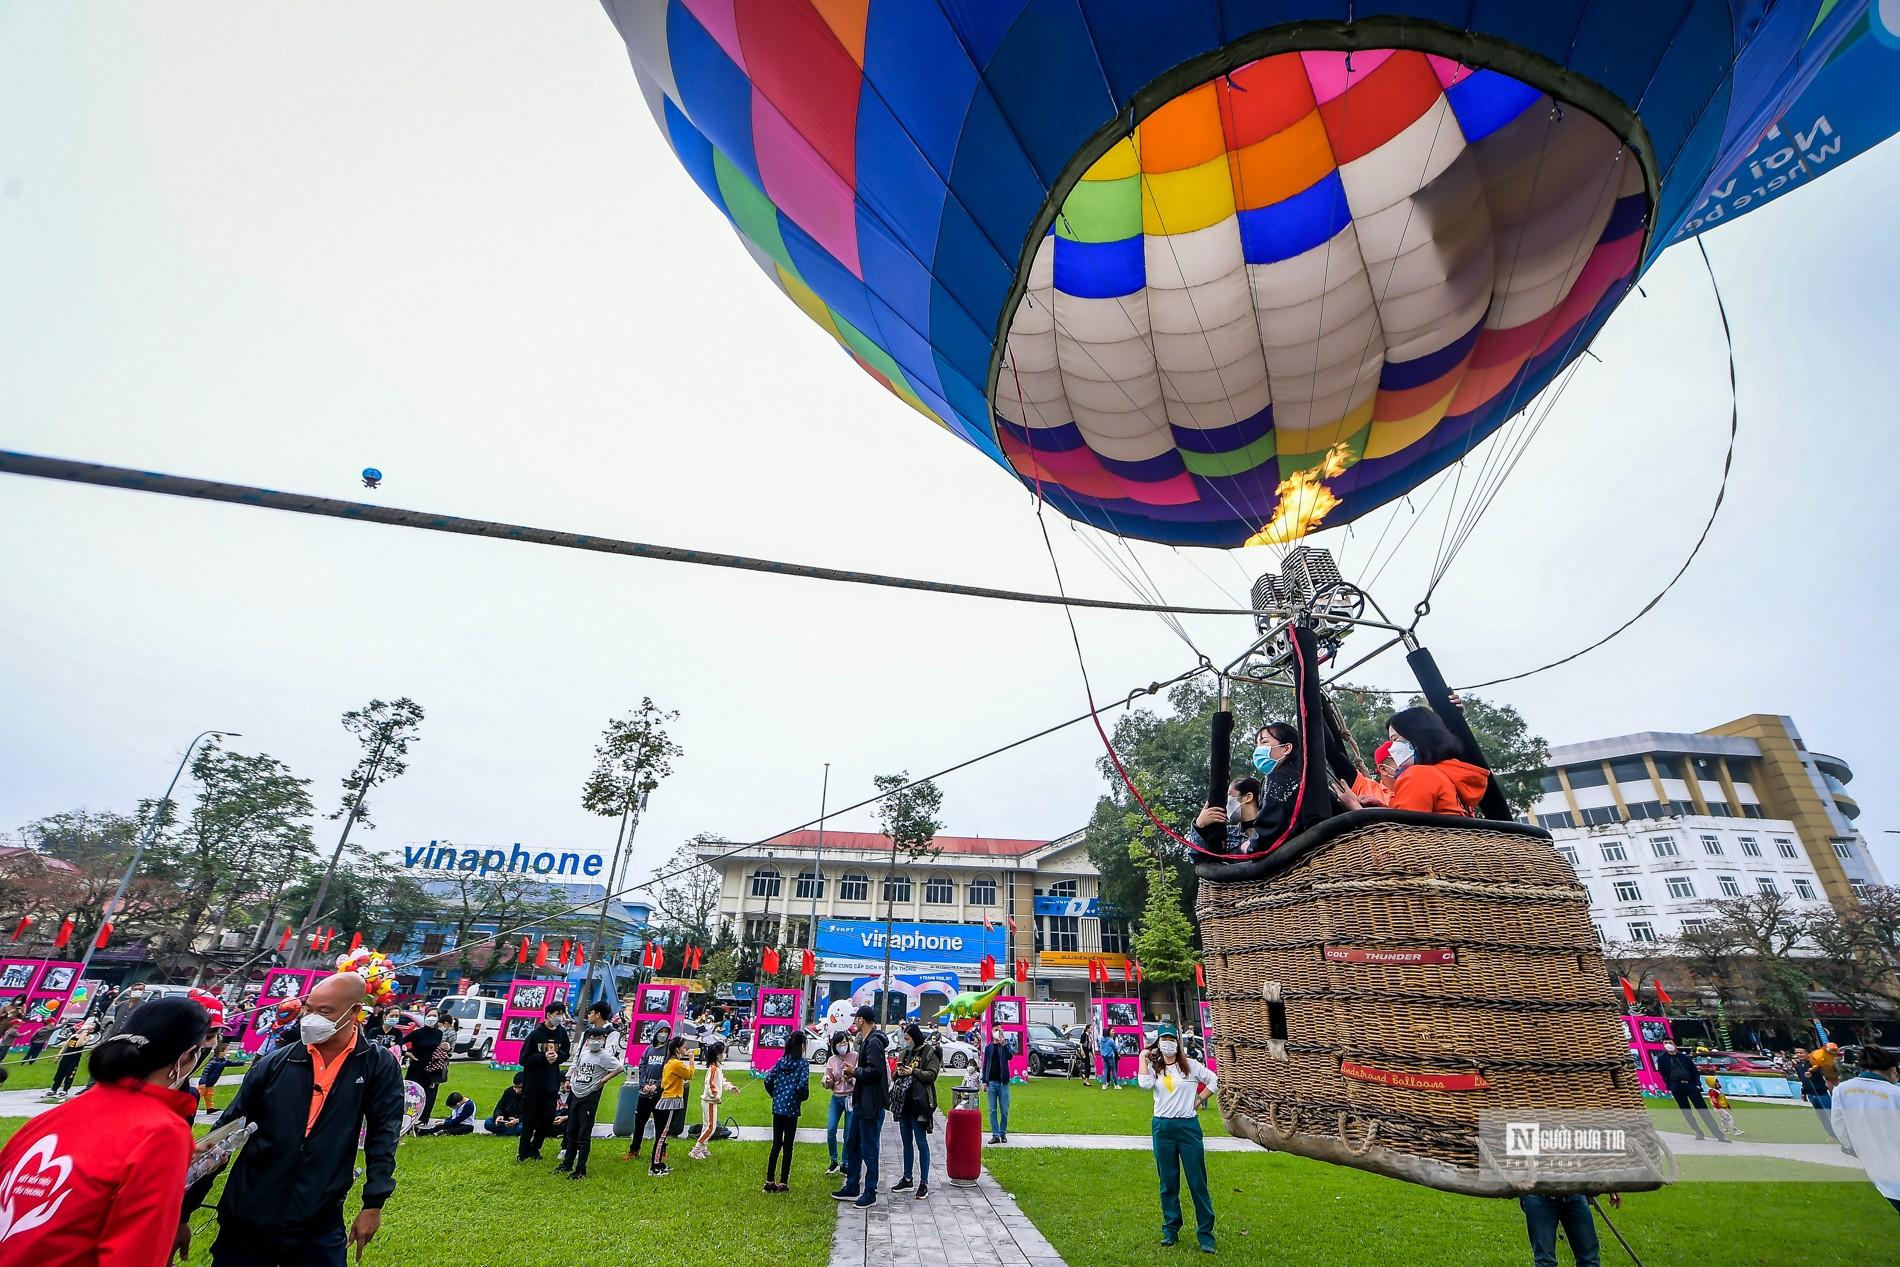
[1205, 271]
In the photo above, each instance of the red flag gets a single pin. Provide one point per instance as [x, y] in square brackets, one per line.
[283, 943]
[541, 954]
[65, 933]
[986, 970]
[807, 964]
[1022, 970]
[659, 957]
[1125, 972]
[580, 954]
[19, 930]
[1010, 922]
[356, 943]
[989, 925]
[105, 935]
[1095, 971]
[694, 957]
[521, 955]
[1137, 964]
[1200, 978]
[768, 962]
[1629, 991]
[567, 950]
[1662, 995]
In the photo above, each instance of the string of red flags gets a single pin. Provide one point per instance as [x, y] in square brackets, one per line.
[65, 933]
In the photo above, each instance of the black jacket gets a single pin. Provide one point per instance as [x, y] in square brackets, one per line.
[509, 1105]
[872, 1094]
[422, 1042]
[1677, 1068]
[996, 1062]
[294, 1183]
[539, 1079]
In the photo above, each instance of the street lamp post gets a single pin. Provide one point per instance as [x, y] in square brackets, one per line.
[145, 838]
[817, 885]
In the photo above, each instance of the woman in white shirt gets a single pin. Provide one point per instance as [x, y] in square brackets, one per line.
[1181, 1086]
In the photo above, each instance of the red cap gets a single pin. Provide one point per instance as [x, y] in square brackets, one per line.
[1380, 753]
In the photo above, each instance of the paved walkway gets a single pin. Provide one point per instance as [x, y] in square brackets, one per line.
[981, 1226]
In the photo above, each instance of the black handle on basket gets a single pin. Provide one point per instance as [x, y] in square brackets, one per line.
[1220, 755]
[1438, 695]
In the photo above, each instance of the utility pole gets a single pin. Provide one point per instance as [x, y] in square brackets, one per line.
[349, 821]
[818, 884]
[890, 906]
[623, 844]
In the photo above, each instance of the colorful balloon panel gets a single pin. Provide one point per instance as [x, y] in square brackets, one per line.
[1157, 259]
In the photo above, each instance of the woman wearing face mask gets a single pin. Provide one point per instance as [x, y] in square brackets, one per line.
[1181, 1086]
[841, 1075]
[1258, 811]
[100, 1179]
[916, 1108]
[1433, 779]
[426, 1044]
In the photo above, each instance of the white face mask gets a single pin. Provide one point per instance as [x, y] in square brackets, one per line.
[597, 1046]
[316, 1030]
[1169, 1047]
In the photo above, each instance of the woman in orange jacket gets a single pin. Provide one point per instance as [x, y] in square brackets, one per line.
[1433, 778]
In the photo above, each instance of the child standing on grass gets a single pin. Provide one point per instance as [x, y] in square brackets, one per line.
[214, 1069]
[1718, 1100]
[710, 1099]
[675, 1076]
[70, 1053]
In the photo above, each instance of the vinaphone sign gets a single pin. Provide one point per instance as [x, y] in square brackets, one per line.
[443, 856]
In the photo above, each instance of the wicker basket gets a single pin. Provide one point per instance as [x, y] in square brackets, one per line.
[1386, 978]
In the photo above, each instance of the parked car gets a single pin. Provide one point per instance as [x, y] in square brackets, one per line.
[1050, 1051]
[477, 1023]
[1742, 1064]
[958, 1052]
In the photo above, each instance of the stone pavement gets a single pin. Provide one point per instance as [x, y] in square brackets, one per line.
[954, 1227]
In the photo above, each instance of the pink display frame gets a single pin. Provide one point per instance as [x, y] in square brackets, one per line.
[1125, 1066]
[1207, 1036]
[766, 1028]
[1019, 1059]
[30, 992]
[262, 1022]
[1646, 1049]
[507, 1050]
[641, 1016]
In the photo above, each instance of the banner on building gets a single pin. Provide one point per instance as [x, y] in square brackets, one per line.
[859, 944]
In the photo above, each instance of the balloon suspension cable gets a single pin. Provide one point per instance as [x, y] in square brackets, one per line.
[105, 476]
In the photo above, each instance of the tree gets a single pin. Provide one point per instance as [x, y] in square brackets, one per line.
[633, 755]
[384, 731]
[248, 822]
[1859, 949]
[465, 900]
[95, 849]
[1755, 949]
[1164, 941]
[908, 816]
[686, 904]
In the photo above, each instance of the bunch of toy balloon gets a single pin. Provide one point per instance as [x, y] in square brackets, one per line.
[379, 975]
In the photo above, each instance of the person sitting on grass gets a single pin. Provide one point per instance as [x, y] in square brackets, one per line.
[460, 1121]
[506, 1119]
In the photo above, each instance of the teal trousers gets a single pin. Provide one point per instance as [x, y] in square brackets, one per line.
[1177, 1142]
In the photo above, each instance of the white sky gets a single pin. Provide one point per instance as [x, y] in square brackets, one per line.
[275, 245]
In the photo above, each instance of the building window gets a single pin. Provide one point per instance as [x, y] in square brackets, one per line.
[1653, 809]
[1065, 933]
[1694, 925]
[1064, 889]
[1600, 816]
[1586, 776]
[897, 887]
[761, 930]
[1663, 846]
[1844, 849]
[1751, 848]
[1550, 822]
[855, 887]
[1731, 887]
[1681, 886]
[1712, 845]
[983, 891]
[432, 943]
[1752, 811]
[1114, 937]
[1708, 769]
[1860, 889]
[1720, 809]
[1569, 854]
[798, 932]
[810, 886]
[1766, 883]
[1642, 930]
[938, 891]
[1667, 766]
[1785, 847]
[1631, 770]
[1547, 783]
[765, 882]
[1598, 930]
[1613, 851]
[1804, 890]
[1628, 891]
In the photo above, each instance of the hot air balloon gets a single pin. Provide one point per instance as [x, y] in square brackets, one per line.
[1206, 272]
[1219, 272]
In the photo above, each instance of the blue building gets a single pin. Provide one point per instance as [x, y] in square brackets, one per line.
[579, 904]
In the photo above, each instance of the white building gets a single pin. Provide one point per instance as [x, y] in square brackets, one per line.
[1657, 825]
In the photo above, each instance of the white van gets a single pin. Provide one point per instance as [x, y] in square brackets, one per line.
[477, 1023]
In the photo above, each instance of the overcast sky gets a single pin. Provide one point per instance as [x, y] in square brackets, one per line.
[275, 245]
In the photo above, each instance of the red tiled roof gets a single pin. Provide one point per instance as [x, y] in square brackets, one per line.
[873, 842]
[56, 864]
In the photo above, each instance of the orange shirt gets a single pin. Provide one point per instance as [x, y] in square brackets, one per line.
[323, 1075]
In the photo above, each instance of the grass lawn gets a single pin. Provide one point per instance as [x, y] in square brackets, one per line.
[1065, 1106]
[1791, 1123]
[1272, 1208]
